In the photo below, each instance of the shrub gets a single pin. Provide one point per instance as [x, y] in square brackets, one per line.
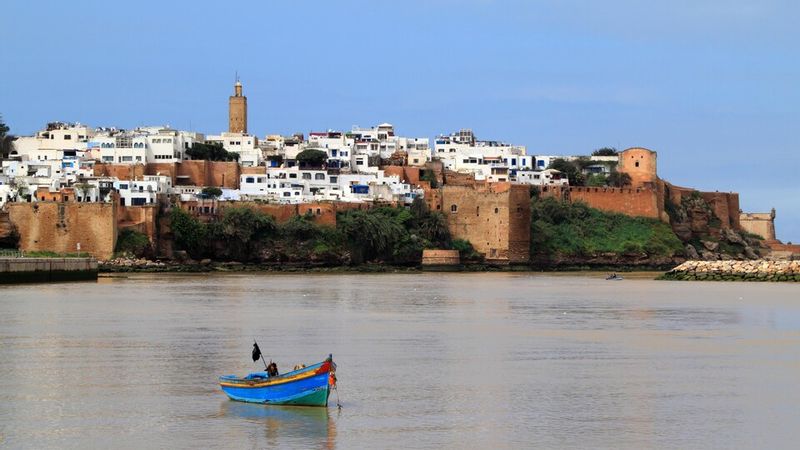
[575, 229]
[311, 158]
[242, 229]
[190, 234]
[465, 250]
[132, 242]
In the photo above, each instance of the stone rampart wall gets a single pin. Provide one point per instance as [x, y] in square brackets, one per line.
[60, 226]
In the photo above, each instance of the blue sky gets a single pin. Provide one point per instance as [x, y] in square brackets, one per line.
[711, 85]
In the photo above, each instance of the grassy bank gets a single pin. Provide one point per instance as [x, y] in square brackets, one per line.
[574, 230]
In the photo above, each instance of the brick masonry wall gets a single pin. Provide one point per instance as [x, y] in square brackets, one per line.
[60, 226]
[633, 202]
[649, 201]
[440, 257]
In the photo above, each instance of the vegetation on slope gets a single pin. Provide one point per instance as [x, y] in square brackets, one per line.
[386, 234]
[575, 230]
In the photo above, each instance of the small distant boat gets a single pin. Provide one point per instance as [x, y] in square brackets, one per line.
[614, 277]
[308, 386]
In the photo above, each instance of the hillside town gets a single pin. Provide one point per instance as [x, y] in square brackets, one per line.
[50, 181]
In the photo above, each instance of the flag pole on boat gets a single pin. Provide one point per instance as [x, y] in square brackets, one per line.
[257, 354]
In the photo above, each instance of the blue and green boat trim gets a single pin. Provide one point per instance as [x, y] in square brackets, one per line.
[309, 386]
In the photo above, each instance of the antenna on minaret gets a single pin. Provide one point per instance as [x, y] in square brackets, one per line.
[237, 76]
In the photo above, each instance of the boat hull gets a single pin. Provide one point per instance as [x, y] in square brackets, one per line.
[306, 387]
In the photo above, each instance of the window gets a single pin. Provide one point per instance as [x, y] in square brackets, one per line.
[292, 175]
[496, 210]
[249, 180]
[287, 194]
[477, 210]
[306, 176]
[453, 208]
[68, 137]
[319, 176]
[123, 186]
[637, 164]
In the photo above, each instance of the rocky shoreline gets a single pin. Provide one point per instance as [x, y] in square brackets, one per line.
[754, 270]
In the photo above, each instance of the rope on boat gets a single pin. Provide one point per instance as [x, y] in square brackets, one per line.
[338, 403]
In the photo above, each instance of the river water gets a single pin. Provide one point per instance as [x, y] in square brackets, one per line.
[498, 360]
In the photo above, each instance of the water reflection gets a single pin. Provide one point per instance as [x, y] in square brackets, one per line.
[425, 361]
[310, 426]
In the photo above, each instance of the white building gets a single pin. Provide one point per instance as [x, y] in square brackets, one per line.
[547, 177]
[295, 185]
[142, 145]
[244, 144]
[487, 160]
[56, 141]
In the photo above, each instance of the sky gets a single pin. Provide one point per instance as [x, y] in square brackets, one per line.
[711, 85]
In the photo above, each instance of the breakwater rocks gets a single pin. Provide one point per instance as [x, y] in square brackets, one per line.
[754, 270]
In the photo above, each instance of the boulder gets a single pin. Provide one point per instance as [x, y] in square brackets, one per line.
[733, 237]
[706, 255]
[691, 252]
[710, 245]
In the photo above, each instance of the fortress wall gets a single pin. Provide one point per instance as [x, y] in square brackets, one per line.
[164, 169]
[495, 219]
[61, 226]
[120, 171]
[632, 202]
[222, 174]
[140, 218]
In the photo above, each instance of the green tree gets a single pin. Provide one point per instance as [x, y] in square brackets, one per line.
[190, 234]
[430, 177]
[605, 151]
[312, 158]
[242, 230]
[596, 179]
[618, 179]
[299, 228]
[466, 251]
[434, 228]
[132, 242]
[210, 152]
[431, 226]
[573, 173]
[212, 192]
[372, 233]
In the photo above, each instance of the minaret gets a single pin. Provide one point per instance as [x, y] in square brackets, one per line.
[237, 110]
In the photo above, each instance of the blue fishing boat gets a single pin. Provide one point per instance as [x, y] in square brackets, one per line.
[308, 386]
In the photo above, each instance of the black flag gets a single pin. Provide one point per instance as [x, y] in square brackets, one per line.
[256, 352]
